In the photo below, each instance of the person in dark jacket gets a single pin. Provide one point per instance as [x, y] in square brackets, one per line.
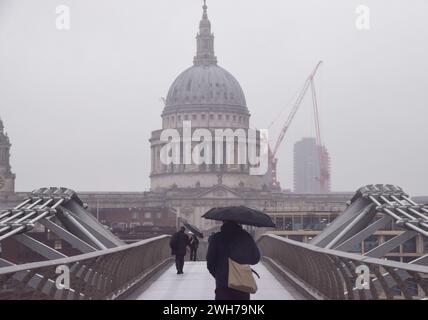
[235, 243]
[194, 244]
[178, 244]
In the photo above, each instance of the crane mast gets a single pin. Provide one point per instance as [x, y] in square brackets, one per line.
[322, 151]
[323, 159]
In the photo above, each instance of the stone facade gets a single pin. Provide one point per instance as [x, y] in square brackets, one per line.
[7, 178]
[191, 203]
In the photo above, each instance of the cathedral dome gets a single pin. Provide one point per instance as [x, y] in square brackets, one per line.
[206, 87]
[203, 98]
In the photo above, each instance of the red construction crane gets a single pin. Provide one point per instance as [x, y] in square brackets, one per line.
[322, 151]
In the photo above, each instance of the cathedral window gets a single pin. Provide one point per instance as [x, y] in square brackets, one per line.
[194, 117]
[203, 117]
[211, 116]
[219, 117]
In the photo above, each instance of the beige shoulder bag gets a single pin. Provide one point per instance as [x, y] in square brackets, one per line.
[241, 277]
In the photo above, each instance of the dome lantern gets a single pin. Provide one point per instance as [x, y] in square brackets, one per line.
[205, 42]
[205, 87]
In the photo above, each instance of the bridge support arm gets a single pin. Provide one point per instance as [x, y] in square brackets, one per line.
[349, 227]
[363, 234]
[386, 247]
[422, 261]
[39, 247]
[5, 263]
[66, 217]
[77, 243]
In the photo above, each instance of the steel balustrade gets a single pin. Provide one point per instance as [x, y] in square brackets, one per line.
[104, 274]
[332, 273]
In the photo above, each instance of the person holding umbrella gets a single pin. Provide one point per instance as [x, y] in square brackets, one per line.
[231, 250]
[179, 242]
[194, 241]
[194, 244]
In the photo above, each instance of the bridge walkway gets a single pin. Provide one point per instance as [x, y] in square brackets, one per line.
[197, 284]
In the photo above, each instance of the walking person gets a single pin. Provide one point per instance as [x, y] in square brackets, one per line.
[232, 242]
[194, 244]
[178, 244]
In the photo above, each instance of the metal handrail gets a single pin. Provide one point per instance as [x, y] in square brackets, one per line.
[332, 273]
[103, 274]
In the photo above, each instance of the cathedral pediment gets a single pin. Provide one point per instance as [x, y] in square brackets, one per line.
[220, 191]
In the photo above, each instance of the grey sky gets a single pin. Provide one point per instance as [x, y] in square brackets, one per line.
[79, 105]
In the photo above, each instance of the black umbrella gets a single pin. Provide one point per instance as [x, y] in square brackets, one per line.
[194, 230]
[241, 215]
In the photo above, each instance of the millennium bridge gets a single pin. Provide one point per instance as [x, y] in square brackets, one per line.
[107, 268]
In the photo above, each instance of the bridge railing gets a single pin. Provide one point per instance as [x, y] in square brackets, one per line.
[333, 274]
[102, 274]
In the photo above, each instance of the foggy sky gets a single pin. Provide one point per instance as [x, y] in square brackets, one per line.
[79, 105]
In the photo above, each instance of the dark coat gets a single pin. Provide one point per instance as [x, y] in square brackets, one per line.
[194, 242]
[179, 243]
[231, 242]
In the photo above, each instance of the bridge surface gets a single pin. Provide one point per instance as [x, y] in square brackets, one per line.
[197, 284]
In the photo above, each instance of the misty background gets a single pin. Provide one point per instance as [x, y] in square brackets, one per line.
[79, 105]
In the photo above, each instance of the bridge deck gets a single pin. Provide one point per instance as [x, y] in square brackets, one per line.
[197, 284]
